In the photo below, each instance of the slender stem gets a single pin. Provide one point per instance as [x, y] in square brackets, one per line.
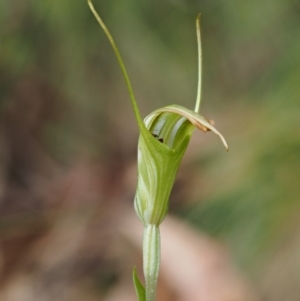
[151, 259]
[120, 61]
[198, 99]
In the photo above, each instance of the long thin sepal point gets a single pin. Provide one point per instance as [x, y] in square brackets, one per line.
[198, 99]
[121, 64]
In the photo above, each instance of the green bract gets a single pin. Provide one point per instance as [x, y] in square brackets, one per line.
[165, 135]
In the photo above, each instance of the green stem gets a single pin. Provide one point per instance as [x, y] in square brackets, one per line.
[151, 259]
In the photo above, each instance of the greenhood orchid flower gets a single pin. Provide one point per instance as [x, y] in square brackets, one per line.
[164, 137]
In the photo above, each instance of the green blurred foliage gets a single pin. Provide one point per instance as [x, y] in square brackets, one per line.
[248, 198]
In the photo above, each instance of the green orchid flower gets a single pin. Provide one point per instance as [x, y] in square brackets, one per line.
[164, 137]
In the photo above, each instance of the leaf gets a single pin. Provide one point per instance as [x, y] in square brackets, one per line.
[139, 288]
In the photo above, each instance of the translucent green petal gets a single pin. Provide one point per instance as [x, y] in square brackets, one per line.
[196, 119]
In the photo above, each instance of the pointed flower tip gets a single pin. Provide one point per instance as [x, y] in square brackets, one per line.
[224, 142]
[197, 120]
[213, 129]
[220, 135]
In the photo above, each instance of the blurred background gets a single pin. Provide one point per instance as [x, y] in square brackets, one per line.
[68, 149]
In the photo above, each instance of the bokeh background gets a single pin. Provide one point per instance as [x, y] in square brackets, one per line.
[68, 149]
